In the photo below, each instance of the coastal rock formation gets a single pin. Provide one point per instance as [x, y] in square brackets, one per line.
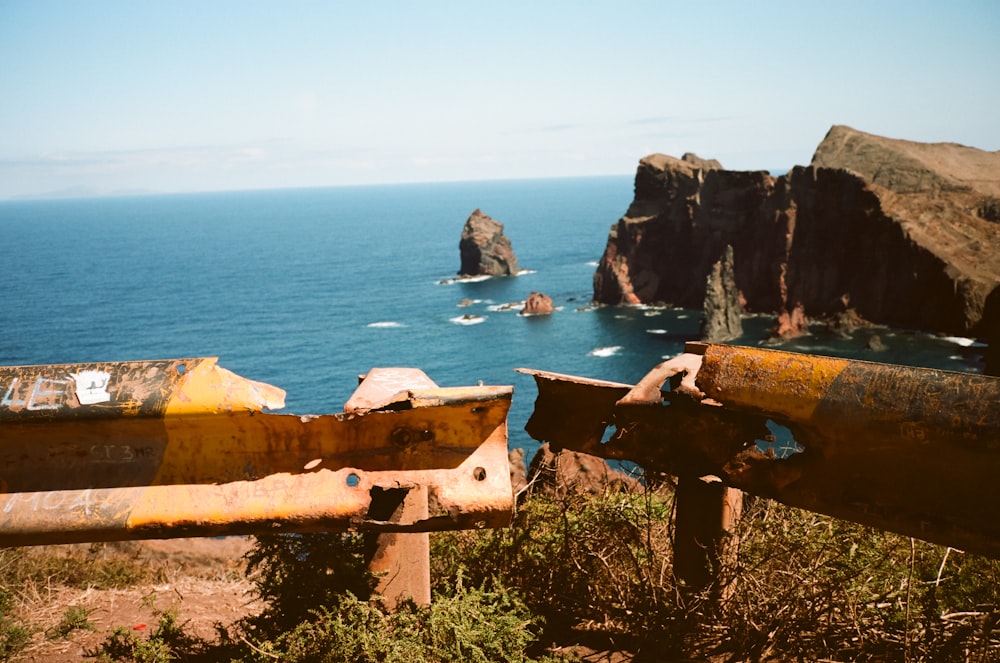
[790, 324]
[484, 249]
[723, 313]
[901, 229]
[537, 304]
[574, 473]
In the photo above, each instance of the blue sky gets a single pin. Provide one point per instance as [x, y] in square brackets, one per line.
[102, 96]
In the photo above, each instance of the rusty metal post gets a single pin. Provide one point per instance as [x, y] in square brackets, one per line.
[697, 530]
[401, 561]
[705, 544]
[729, 546]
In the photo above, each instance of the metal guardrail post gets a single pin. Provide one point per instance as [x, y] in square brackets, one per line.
[401, 561]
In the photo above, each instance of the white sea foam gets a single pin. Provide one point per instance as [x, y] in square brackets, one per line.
[683, 316]
[961, 340]
[464, 279]
[656, 331]
[387, 324]
[592, 263]
[609, 351]
[525, 271]
[540, 315]
[468, 319]
[509, 306]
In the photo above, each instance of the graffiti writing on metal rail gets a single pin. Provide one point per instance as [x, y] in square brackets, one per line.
[119, 453]
[87, 500]
[44, 393]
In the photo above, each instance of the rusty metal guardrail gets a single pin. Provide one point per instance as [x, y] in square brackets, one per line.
[910, 450]
[157, 449]
[183, 447]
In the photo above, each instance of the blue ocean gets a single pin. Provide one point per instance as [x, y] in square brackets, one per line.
[306, 289]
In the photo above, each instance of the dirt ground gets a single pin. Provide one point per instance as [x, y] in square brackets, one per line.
[204, 584]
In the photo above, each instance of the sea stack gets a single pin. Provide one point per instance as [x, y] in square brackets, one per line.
[723, 313]
[484, 249]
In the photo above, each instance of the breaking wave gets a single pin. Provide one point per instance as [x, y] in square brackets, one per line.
[609, 351]
[464, 279]
[468, 319]
[962, 341]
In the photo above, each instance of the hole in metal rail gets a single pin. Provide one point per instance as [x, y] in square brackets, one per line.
[479, 474]
[353, 480]
[181, 369]
[782, 442]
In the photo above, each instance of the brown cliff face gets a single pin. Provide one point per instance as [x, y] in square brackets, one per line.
[818, 236]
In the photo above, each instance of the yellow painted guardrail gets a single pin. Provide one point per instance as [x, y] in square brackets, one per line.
[183, 447]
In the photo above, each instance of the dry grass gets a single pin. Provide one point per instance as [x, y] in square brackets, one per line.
[57, 594]
[804, 586]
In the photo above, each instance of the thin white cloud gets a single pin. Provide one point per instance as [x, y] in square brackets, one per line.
[678, 120]
[307, 103]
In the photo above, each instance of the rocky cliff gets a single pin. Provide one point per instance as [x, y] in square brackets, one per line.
[901, 232]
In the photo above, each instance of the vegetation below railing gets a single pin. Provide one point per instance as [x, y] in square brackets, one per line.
[597, 568]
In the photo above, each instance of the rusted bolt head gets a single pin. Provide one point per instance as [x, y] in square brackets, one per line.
[401, 437]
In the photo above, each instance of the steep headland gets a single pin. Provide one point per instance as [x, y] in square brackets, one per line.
[902, 233]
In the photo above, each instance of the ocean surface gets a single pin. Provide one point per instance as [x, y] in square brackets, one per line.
[305, 289]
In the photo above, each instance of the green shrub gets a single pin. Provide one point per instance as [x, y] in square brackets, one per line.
[167, 642]
[989, 209]
[597, 560]
[76, 618]
[470, 625]
[296, 574]
[14, 634]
